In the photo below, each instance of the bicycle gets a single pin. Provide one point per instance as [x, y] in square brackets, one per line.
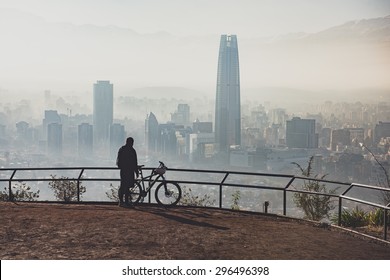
[167, 193]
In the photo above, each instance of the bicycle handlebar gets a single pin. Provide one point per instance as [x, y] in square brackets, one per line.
[162, 165]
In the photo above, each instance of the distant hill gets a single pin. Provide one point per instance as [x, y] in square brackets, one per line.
[63, 56]
[165, 92]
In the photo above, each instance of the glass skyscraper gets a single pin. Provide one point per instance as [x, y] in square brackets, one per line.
[103, 114]
[227, 104]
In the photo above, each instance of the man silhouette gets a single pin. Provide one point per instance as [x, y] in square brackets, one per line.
[128, 165]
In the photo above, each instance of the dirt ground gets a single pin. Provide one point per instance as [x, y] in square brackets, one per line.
[89, 231]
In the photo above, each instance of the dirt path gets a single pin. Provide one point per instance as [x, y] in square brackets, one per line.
[63, 231]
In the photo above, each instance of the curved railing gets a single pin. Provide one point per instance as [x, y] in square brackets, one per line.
[219, 183]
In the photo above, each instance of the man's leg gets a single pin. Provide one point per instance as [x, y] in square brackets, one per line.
[120, 195]
[122, 187]
[131, 184]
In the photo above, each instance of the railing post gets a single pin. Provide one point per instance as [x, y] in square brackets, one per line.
[78, 184]
[340, 209]
[285, 196]
[10, 194]
[220, 189]
[385, 225]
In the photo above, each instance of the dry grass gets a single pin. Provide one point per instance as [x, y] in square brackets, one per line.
[71, 231]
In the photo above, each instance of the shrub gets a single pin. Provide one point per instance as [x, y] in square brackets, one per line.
[376, 217]
[65, 189]
[190, 199]
[352, 218]
[315, 206]
[235, 199]
[112, 194]
[20, 192]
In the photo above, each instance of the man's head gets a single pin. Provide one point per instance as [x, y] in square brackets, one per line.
[130, 141]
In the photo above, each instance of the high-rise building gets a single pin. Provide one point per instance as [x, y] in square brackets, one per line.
[202, 127]
[51, 116]
[151, 133]
[85, 140]
[103, 111]
[182, 115]
[382, 129]
[340, 138]
[227, 103]
[117, 138]
[300, 133]
[54, 139]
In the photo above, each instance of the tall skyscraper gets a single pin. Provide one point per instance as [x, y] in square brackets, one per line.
[227, 103]
[103, 111]
[151, 133]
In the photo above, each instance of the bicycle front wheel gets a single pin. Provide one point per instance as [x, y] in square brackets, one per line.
[168, 193]
[135, 193]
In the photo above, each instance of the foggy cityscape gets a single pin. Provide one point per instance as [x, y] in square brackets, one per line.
[194, 138]
[301, 93]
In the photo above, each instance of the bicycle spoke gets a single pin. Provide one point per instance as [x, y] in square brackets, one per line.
[168, 193]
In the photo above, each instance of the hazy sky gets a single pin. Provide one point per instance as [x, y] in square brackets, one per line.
[197, 17]
[36, 52]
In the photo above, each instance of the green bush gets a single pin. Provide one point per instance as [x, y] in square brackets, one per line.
[352, 218]
[376, 217]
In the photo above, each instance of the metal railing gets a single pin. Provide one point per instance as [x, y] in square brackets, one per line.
[217, 178]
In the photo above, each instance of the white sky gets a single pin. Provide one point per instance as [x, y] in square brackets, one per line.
[32, 58]
[250, 18]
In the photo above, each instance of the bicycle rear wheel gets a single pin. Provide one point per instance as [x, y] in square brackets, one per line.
[168, 193]
[135, 193]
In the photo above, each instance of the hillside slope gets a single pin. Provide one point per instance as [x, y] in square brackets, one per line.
[63, 231]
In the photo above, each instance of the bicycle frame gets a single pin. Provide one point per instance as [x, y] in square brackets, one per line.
[148, 178]
[166, 193]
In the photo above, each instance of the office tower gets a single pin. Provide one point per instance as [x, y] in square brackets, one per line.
[102, 111]
[117, 138]
[340, 138]
[85, 140]
[23, 131]
[182, 115]
[51, 116]
[382, 130]
[300, 133]
[278, 116]
[227, 103]
[356, 135]
[151, 133]
[54, 139]
[202, 127]
[167, 139]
